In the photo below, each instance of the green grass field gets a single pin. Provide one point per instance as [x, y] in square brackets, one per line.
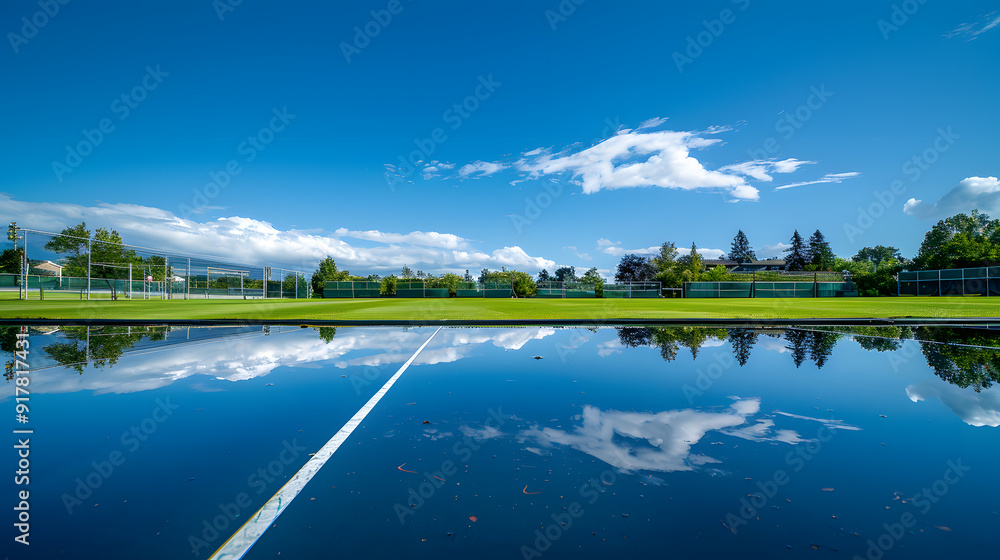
[498, 309]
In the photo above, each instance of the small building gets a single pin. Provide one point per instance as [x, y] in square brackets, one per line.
[46, 268]
[733, 266]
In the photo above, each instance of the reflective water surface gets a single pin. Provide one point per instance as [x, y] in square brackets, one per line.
[512, 443]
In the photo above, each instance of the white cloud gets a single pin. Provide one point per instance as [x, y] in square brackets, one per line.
[711, 254]
[663, 441]
[426, 239]
[975, 409]
[776, 250]
[651, 123]
[641, 157]
[761, 169]
[828, 178]
[615, 249]
[633, 158]
[483, 168]
[982, 193]
[249, 241]
[971, 31]
[516, 257]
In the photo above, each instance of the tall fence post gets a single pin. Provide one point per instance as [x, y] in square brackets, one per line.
[26, 267]
[88, 287]
[22, 288]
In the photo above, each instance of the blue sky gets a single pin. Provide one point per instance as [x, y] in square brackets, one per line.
[544, 133]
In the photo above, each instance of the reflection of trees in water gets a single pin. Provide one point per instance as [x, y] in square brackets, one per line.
[742, 341]
[326, 334]
[815, 345]
[669, 340]
[104, 345]
[803, 344]
[634, 337]
[964, 366]
[877, 339]
[8, 344]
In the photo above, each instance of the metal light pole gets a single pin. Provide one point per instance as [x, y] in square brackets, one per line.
[88, 276]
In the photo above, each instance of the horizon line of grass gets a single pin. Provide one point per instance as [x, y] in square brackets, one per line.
[598, 310]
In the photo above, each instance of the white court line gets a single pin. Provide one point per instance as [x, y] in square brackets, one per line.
[239, 544]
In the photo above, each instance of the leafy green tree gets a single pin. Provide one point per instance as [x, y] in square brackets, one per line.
[10, 261]
[593, 278]
[692, 263]
[522, 284]
[820, 256]
[388, 286]
[716, 274]
[566, 274]
[294, 283]
[543, 276]
[871, 279]
[961, 241]
[741, 251]
[877, 254]
[797, 253]
[450, 281]
[109, 257]
[407, 272]
[71, 244]
[634, 268]
[327, 272]
[667, 266]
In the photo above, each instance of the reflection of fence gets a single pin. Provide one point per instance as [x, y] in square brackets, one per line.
[768, 289]
[982, 281]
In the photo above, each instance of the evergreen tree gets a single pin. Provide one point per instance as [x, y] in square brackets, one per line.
[820, 254]
[742, 341]
[741, 252]
[566, 274]
[799, 347]
[543, 276]
[796, 259]
[692, 261]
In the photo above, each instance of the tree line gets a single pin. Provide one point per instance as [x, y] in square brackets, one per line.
[961, 241]
[966, 358]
